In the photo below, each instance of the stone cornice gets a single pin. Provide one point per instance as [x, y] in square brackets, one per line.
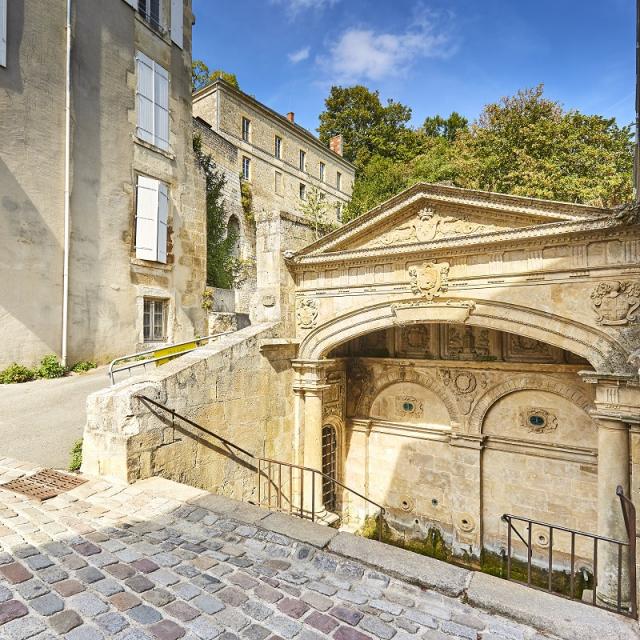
[498, 239]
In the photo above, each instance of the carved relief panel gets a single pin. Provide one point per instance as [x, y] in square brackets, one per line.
[469, 343]
[417, 341]
[522, 349]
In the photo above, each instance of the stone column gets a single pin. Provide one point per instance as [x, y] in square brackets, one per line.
[613, 471]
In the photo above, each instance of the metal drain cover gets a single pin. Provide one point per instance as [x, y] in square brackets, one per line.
[44, 484]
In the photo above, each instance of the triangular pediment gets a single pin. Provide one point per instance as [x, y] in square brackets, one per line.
[428, 213]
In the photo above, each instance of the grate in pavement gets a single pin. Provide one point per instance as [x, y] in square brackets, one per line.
[44, 484]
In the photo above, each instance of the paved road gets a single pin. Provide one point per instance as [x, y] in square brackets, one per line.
[40, 420]
[130, 563]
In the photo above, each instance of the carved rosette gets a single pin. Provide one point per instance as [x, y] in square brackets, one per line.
[465, 385]
[429, 279]
[616, 302]
[307, 313]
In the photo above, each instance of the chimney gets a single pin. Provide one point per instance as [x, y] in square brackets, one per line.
[336, 143]
[291, 117]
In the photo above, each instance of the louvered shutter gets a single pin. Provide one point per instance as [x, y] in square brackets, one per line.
[147, 219]
[3, 33]
[177, 21]
[163, 218]
[145, 97]
[133, 3]
[161, 107]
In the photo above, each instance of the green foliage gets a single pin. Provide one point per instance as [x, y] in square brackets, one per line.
[15, 373]
[316, 209]
[75, 461]
[201, 76]
[220, 242]
[448, 128]
[50, 367]
[525, 145]
[246, 199]
[83, 366]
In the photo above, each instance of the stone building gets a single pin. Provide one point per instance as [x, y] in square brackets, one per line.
[454, 355]
[106, 147]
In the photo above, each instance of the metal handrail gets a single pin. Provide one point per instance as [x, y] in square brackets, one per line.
[269, 461]
[629, 515]
[142, 363]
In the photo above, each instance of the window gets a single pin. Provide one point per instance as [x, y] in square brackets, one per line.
[3, 33]
[154, 320]
[150, 11]
[329, 466]
[278, 182]
[277, 150]
[246, 129]
[322, 171]
[339, 211]
[152, 102]
[152, 214]
[303, 191]
[338, 181]
[246, 168]
[303, 160]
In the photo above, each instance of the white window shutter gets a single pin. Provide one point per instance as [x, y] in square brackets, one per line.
[161, 106]
[145, 97]
[133, 3]
[3, 33]
[177, 21]
[147, 219]
[163, 219]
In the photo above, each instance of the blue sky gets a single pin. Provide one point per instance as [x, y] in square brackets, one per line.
[436, 56]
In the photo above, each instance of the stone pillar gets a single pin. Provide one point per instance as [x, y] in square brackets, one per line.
[613, 471]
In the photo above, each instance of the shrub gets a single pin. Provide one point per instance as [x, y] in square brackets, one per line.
[76, 456]
[83, 366]
[50, 367]
[17, 373]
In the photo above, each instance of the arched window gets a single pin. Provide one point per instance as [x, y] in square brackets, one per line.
[329, 466]
[233, 231]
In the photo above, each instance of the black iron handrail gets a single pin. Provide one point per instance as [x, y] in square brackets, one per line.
[629, 515]
[264, 470]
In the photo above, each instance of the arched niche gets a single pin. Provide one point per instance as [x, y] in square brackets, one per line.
[234, 231]
[411, 403]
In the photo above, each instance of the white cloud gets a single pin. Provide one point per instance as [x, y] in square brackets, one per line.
[300, 55]
[296, 6]
[365, 54]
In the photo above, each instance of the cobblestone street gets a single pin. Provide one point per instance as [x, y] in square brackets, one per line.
[106, 561]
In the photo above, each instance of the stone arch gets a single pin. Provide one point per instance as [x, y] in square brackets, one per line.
[525, 382]
[410, 375]
[602, 350]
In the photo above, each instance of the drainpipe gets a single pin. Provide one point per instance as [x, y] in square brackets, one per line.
[67, 189]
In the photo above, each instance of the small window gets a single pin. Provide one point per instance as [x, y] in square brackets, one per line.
[338, 181]
[322, 171]
[246, 168]
[339, 211]
[154, 321]
[246, 129]
[278, 182]
[150, 11]
[303, 191]
[277, 151]
[303, 160]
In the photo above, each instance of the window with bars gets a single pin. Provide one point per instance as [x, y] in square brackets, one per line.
[154, 320]
[329, 466]
[150, 11]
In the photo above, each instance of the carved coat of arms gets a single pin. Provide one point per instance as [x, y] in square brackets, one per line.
[429, 279]
[307, 313]
[615, 303]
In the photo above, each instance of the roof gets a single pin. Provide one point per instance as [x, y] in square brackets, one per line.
[219, 83]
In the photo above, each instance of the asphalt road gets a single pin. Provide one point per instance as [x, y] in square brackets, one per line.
[40, 420]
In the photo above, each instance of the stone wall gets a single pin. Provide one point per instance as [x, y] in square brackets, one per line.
[237, 387]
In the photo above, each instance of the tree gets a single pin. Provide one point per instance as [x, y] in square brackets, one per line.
[439, 127]
[528, 145]
[368, 127]
[315, 209]
[201, 76]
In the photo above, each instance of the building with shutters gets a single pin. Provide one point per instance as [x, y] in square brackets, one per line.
[101, 198]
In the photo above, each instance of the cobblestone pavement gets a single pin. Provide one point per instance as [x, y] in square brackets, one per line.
[105, 561]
